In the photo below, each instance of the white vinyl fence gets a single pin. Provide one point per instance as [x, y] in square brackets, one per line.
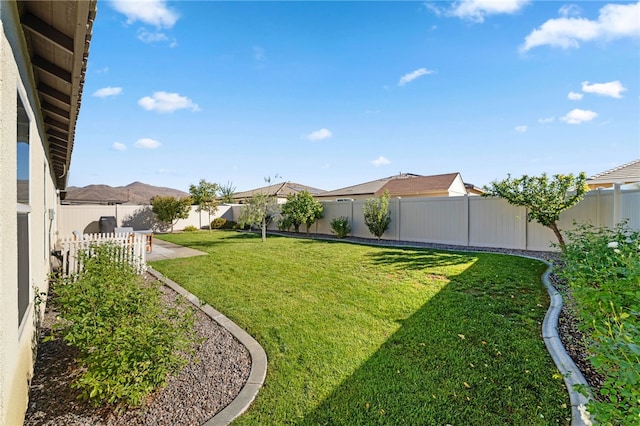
[85, 218]
[134, 250]
[462, 221]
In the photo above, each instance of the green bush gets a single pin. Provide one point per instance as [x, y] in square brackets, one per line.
[340, 226]
[230, 224]
[602, 267]
[190, 228]
[218, 223]
[284, 224]
[128, 339]
[376, 214]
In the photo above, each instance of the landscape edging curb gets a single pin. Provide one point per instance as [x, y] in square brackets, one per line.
[570, 372]
[258, 373]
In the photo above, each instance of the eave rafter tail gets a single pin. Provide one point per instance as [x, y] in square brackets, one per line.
[38, 26]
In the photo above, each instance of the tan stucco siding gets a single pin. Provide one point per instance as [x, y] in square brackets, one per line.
[16, 360]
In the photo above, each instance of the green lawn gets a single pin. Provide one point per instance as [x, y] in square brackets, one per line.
[375, 335]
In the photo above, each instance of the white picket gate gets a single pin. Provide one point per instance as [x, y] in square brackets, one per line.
[133, 250]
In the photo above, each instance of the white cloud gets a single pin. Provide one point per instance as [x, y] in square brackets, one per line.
[477, 10]
[614, 21]
[151, 37]
[578, 116]
[119, 146]
[380, 161]
[152, 12]
[570, 10]
[573, 96]
[408, 78]
[147, 143]
[319, 135]
[105, 92]
[546, 120]
[522, 128]
[167, 102]
[612, 89]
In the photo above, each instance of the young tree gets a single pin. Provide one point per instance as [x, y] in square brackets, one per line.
[259, 210]
[170, 209]
[302, 208]
[376, 214]
[226, 192]
[204, 195]
[543, 197]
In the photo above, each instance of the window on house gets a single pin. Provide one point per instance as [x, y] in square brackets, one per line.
[23, 210]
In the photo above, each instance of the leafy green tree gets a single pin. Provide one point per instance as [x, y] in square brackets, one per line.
[204, 195]
[376, 214]
[169, 209]
[226, 192]
[302, 208]
[545, 198]
[259, 210]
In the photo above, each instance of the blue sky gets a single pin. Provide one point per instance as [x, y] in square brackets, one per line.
[331, 94]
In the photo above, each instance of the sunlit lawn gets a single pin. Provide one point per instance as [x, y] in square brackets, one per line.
[372, 335]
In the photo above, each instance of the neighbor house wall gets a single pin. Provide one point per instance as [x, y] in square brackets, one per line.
[18, 335]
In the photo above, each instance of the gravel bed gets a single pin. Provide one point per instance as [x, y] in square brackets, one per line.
[212, 379]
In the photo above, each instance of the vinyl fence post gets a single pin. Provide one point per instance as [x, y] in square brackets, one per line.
[399, 221]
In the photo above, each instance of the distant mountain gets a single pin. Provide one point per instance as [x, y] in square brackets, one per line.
[134, 193]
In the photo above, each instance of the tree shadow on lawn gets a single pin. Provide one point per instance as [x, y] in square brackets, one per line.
[418, 259]
[464, 358]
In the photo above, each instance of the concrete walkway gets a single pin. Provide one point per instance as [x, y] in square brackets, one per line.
[164, 250]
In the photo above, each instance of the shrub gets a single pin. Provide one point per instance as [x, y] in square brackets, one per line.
[190, 228]
[284, 224]
[340, 226]
[602, 267]
[128, 340]
[376, 214]
[218, 223]
[230, 224]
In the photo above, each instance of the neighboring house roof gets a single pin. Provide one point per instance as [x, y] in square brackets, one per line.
[371, 187]
[627, 173]
[57, 35]
[280, 190]
[403, 184]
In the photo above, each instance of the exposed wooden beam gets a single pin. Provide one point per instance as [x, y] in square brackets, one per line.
[64, 142]
[55, 110]
[55, 94]
[57, 124]
[58, 134]
[60, 153]
[52, 69]
[38, 26]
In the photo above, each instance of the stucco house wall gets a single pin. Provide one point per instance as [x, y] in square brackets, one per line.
[17, 334]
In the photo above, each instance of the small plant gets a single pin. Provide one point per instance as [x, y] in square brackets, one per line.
[230, 224]
[340, 226]
[128, 340]
[602, 267]
[284, 224]
[190, 228]
[376, 214]
[218, 223]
